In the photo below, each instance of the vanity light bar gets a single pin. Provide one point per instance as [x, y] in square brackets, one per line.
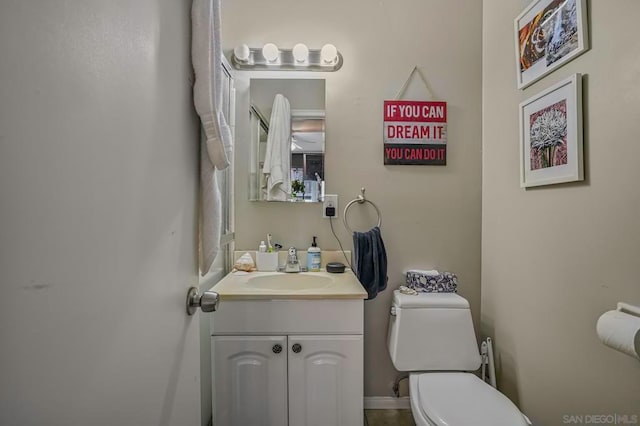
[271, 58]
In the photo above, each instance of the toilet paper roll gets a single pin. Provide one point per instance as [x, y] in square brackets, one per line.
[620, 331]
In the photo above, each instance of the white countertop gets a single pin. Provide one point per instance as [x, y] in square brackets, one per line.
[266, 285]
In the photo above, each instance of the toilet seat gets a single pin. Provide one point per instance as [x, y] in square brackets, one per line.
[459, 399]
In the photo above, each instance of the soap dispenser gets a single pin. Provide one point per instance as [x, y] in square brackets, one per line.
[314, 259]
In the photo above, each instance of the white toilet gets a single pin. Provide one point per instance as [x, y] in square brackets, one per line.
[431, 336]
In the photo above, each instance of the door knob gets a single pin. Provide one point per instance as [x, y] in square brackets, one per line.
[207, 301]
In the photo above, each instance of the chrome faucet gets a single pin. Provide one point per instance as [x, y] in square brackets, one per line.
[292, 261]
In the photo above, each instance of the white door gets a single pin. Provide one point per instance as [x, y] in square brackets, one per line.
[98, 214]
[325, 380]
[250, 386]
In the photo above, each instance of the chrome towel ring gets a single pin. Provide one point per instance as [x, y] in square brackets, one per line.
[360, 199]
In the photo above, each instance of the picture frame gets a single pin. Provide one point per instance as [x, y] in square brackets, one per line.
[548, 34]
[551, 139]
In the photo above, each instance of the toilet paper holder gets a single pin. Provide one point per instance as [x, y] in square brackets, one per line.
[629, 309]
[619, 329]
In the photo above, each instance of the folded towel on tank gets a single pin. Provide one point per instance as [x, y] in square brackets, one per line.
[432, 281]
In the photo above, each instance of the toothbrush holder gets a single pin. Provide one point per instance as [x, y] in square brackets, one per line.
[267, 261]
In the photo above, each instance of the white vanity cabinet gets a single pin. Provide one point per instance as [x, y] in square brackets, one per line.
[288, 362]
[251, 380]
[325, 380]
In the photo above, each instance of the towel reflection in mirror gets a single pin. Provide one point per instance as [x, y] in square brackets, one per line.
[277, 161]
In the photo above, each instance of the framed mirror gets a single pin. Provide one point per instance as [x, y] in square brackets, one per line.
[287, 119]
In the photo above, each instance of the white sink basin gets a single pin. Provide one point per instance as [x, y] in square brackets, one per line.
[290, 282]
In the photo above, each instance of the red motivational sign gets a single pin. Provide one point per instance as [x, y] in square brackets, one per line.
[415, 132]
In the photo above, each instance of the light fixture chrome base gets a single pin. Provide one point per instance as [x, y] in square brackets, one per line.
[285, 62]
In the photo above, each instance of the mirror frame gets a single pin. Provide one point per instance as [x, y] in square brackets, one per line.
[307, 113]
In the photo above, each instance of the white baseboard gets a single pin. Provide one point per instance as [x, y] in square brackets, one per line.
[386, 403]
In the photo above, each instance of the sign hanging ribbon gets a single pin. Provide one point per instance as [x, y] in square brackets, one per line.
[408, 80]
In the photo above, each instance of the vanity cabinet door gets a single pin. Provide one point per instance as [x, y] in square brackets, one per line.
[325, 380]
[250, 380]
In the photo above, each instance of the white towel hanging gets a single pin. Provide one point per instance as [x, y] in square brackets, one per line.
[206, 55]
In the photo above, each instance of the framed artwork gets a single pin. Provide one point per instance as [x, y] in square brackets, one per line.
[548, 34]
[551, 135]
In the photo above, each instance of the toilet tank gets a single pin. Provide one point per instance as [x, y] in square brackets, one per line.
[432, 332]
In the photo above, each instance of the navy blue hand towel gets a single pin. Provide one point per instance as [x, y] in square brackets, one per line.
[370, 261]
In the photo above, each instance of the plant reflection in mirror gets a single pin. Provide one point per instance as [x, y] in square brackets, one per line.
[297, 189]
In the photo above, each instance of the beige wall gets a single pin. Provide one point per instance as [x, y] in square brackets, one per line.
[555, 258]
[431, 215]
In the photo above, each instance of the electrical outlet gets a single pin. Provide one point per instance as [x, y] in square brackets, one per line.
[330, 206]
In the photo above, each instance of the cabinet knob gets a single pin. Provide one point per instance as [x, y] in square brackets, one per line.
[277, 348]
[297, 347]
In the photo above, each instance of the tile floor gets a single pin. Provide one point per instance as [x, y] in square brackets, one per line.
[388, 418]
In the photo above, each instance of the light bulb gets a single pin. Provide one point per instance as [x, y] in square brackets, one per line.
[300, 52]
[329, 54]
[241, 52]
[270, 52]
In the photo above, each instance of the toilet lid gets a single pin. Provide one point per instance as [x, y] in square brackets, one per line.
[450, 399]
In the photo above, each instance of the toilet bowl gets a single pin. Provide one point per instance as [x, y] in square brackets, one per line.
[431, 336]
